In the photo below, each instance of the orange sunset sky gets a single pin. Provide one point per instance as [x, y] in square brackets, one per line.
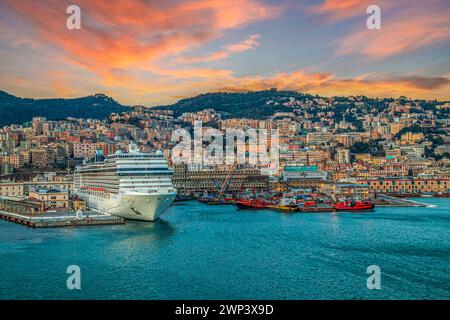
[156, 52]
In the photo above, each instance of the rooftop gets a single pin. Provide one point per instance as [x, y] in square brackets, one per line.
[45, 191]
[300, 168]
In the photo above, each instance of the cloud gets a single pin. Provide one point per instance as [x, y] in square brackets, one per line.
[404, 33]
[322, 83]
[407, 25]
[136, 54]
[247, 44]
[337, 10]
[113, 38]
[418, 82]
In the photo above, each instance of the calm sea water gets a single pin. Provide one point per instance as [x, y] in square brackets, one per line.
[218, 252]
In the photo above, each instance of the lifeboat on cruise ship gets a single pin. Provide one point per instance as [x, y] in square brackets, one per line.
[353, 206]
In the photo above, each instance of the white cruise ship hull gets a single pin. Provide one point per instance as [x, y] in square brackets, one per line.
[131, 185]
[134, 206]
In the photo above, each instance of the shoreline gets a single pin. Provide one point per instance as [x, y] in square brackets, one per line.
[91, 218]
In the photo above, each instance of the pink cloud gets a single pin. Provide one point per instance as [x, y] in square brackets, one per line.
[336, 10]
[405, 32]
[114, 38]
[247, 44]
[407, 25]
[324, 83]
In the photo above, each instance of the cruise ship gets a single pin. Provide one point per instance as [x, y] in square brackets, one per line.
[133, 185]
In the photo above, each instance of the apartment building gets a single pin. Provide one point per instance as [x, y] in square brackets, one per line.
[84, 150]
[408, 185]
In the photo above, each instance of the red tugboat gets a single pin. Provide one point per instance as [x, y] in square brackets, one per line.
[353, 206]
[252, 204]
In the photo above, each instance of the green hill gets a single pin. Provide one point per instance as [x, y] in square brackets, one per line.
[15, 110]
[238, 105]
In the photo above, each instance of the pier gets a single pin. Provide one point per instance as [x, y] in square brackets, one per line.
[61, 219]
[399, 202]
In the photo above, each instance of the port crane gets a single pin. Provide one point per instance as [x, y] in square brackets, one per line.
[224, 187]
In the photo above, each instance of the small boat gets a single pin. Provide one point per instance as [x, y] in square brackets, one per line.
[230, 200]
[283, 207]
[254, 204]
[427, 195]
[213, 200]
[286, 203]
[353, 206]
[443, 195]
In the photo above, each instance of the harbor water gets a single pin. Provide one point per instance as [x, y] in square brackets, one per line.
[196, 251]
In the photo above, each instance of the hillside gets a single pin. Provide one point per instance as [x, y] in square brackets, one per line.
[255, 105]
[15, 110]
[262, 104]
[238, 105]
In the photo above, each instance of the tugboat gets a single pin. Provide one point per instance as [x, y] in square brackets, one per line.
[252, 204]
[288, 204]
[353, 206]
[284, 207]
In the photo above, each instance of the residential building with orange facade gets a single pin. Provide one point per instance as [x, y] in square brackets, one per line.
[408, 185]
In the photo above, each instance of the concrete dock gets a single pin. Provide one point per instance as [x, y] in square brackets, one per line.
[386, 200]
[61, 219]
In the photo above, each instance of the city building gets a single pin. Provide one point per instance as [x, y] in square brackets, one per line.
[211, 180]
[408, 185]
[52, 198]
[84, 150]
[343, 156]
